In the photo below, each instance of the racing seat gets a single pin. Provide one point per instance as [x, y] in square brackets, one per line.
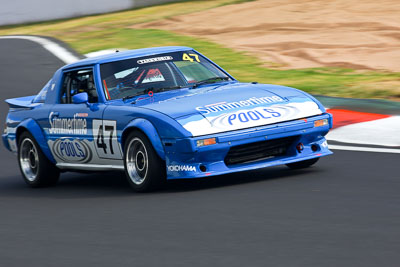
[87, 86]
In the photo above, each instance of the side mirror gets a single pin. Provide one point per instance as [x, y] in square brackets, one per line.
[80, 98]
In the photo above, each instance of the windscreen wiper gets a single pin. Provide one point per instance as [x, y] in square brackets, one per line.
[131, 96]
[138, 93]
[210, 80]
[163, 89]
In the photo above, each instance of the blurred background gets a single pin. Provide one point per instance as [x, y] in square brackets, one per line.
[340, 213]
[342, 48]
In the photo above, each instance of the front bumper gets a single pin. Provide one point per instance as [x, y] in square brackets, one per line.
[185, 160]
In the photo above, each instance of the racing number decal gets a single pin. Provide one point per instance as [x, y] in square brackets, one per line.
[190, 57]
[105, 138]
[100, 138]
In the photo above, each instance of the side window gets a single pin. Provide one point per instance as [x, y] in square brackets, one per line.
[41, 96]
[76, 82]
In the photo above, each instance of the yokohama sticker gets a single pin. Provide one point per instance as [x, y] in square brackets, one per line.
[180, 168]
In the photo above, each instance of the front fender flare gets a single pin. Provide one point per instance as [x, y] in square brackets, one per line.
[34, 129]
[149, 130]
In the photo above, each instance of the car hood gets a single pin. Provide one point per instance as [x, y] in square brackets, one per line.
[233, 106]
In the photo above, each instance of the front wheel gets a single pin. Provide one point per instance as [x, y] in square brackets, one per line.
[144, 169]
[36, 169]
[302, 164]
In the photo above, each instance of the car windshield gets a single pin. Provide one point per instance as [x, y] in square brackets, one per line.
[157, 73]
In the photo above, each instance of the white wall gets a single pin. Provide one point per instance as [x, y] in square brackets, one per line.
[22, 11]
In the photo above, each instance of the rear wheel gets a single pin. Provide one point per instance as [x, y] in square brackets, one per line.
[144, 169]
[36, 169]
[302, 164]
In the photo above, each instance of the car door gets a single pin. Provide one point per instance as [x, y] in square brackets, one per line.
[71, 137]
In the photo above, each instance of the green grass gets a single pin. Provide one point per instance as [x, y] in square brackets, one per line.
[247, 68]
[113, 30]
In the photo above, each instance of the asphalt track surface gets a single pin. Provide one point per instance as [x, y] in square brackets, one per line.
[344, 211]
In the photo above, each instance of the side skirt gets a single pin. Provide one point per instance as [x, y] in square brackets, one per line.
[88, 167]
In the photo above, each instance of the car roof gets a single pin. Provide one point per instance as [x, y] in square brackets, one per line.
[126, 55]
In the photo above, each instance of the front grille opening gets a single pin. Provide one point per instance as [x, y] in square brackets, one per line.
[259, 151]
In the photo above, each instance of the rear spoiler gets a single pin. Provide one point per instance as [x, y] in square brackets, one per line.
[22, 102]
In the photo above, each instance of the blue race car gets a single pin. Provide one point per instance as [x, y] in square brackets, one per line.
[161, 113]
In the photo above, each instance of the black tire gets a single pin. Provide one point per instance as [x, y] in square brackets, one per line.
[144, 169]
[302, 164]
[36, 168]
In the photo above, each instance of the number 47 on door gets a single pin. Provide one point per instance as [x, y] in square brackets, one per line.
[105, 139]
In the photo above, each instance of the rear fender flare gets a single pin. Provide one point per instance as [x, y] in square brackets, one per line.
[34, 129]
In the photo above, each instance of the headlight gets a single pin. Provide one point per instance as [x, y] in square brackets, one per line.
[206, 142]
[322, 122]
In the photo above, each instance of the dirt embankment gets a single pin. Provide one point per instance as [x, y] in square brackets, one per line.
[359, 34]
